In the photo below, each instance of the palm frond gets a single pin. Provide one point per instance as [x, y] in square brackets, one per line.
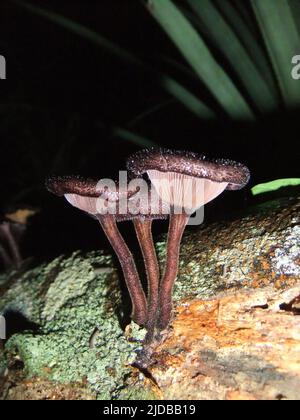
[200, 58]
[280, 32]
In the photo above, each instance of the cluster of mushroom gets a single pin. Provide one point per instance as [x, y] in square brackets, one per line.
[180, 183]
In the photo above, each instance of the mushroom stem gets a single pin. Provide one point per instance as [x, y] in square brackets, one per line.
[144, 235]
[176, 227]
[138, 299]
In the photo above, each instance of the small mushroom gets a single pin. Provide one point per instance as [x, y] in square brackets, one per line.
[86, 195]
[112, 205]
[144, 207]
[186, 181]
[152, 209]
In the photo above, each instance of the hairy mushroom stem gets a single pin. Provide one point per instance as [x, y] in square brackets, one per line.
[137, 295]
[143, 229]
[177, 225]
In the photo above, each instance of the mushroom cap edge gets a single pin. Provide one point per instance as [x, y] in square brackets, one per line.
[234, 173]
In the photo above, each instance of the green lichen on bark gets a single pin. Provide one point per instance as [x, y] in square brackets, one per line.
[264, 244]
[76, 305]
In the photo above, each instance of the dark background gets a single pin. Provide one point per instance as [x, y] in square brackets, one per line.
[64, 97]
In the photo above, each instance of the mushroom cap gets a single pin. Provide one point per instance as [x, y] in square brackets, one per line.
[61, 185]
[192, 164]
[87, 187]
[137, 207]
[85, 195]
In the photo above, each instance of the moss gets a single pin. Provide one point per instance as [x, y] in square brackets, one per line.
[137, 393]
[2, 364]
[71, 299]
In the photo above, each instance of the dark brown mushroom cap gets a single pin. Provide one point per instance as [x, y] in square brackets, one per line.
[189, 163]
[61, 185]
[85, 193]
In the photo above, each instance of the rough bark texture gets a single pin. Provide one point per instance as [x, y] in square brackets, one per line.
[240, 346]
[235, 332]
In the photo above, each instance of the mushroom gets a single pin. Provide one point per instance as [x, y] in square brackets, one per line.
[152, 209]
[110, 204]
[144, 207]
[186, 181]
[84, 194]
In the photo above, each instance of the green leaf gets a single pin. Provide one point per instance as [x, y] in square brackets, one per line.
[281, 36]
[198, 55]
[224, 38]
[243, 8]
[187, 98]
[274, 185]
[250, 42]
[173, 87]
[295, 8]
